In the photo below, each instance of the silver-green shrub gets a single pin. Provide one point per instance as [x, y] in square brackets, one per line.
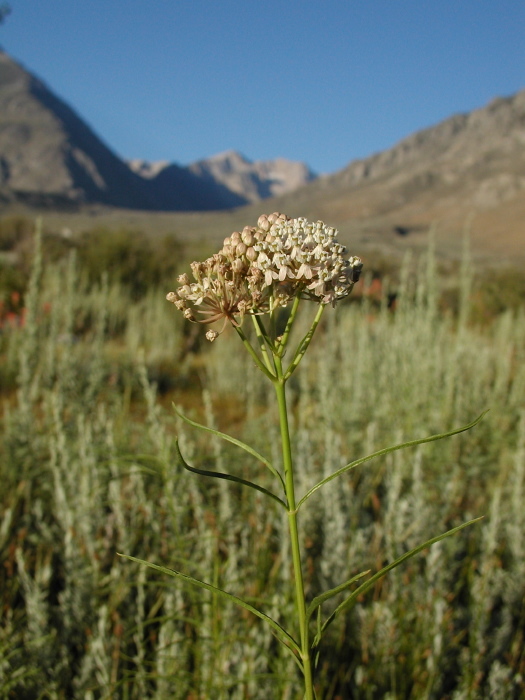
[88, 469]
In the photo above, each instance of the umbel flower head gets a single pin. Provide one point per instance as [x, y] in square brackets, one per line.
[266, 266]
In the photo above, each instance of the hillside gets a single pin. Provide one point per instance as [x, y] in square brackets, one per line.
[468, 171]
[49, 156]
[254, 180]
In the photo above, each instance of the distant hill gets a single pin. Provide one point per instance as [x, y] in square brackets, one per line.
[469, 170]
[50, 156]
[253, 180]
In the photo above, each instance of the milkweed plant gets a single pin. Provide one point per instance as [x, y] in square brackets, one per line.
[282, 263]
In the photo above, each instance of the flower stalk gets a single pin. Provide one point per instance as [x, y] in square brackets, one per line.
[279, 263]
[300, 601]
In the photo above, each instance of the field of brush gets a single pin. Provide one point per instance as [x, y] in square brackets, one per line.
[90, 364]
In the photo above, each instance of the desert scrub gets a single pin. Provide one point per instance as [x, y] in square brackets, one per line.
[259, 272]
[76, 487]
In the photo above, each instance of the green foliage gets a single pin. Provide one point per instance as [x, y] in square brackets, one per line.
[88, 464]
[132, 258]
[498, 291]
[13, 230]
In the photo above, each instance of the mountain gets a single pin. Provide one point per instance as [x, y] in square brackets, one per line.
[467, 171]
[50, 156]
[253, 180]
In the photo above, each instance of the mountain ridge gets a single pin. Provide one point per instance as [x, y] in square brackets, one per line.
[47, 150]
[467, 168]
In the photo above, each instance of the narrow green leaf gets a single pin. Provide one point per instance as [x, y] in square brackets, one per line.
[233, 440]
[386, 450]
[363, 588]
[281, 634]
[320, 599]
[228, 477]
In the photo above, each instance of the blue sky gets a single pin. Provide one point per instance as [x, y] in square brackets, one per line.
[324, 81]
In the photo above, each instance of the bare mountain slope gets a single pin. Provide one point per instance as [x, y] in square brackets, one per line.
[49, 155]
[253, 180]
[46, 149]
[467, 171]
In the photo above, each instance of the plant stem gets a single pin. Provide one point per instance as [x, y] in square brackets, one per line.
[255, 357]
[300, 602]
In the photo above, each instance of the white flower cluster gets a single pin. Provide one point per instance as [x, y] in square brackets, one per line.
[267, 266]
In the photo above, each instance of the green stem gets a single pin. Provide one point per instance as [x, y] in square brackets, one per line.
[305, 342]
[300, 602]
[281, 344]
[254, 355]
[264, 342]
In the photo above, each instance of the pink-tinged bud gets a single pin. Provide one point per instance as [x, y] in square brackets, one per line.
[227, 251]
[263, 222]
[235, 238]
[211, 335]
[226, 241]
[240, 248]
[251, 254]
[247, 237]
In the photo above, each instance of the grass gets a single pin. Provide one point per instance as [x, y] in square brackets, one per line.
[89, 469]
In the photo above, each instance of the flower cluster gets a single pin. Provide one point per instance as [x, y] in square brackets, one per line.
[267, 266]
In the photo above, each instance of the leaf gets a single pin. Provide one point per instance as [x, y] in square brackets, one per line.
[386, 450]
[363, 588]
[228, 477]
[233, 440]
[282, 635]
[320, 599]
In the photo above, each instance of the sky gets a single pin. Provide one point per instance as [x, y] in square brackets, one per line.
[321, 81]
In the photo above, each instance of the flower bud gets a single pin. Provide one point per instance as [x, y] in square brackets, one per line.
[183, 279]
[240, 249]
[226, 241]
[188, 315]
[172, 296]
[251, 254]
[211, 335]
[235, 238]
[263, 222]
[247, 236]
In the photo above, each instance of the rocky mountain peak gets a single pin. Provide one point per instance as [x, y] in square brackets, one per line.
[254, 180]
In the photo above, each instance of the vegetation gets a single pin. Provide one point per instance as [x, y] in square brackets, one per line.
[90, 469]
